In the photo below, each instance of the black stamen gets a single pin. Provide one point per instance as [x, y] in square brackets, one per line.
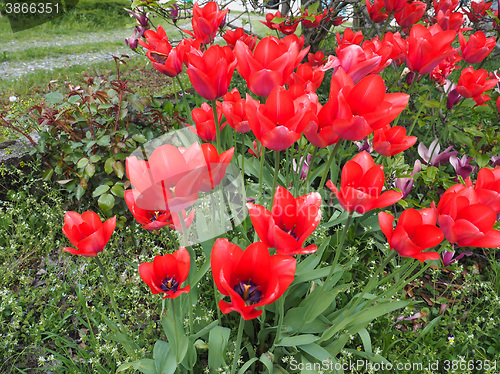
[169, 284]
[248, 291]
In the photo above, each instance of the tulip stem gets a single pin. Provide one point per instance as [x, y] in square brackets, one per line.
[262, 153]
[340, 246]
[385, 25]
[329, 163]
[276, 171]
[110, 292]
[416, 118]
[184, 100]
[192, 268]
[217, 128]
[243, 173]
[314, 153]
[280, 314]
[238, 345]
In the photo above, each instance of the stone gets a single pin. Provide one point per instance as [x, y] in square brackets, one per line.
[12, 152]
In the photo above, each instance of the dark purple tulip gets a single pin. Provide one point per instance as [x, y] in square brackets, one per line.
[365, 146]
[141, 18]
[405, 185]
[174, 12]
[453, 98]
[133, 40]
[462, 166]
[495, 161]
[447, 257]
[432, 156]
[305, 167]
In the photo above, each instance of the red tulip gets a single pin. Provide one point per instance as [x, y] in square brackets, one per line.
[410, 14]
[231, 37]
[450, 20]
[317, 19]
[87, 233]
[357, 110]
[415, 231]
[270, 65]
[394, 6]
[357, 62]
[204, 121]
[477, 47]
[445, 68]
[153, 220]
[289, 223]
[464, 220]
[377, 11]
[478, 10]
[156, 41]
[234, 109]
[165, 182]
[287, 26]
[361, 186]
[305, 80]
[165, 59]
[278, 123]
[210, 72]
[167, 273]
[389, 141]
[252, 278]
[472, 84]
[426, 48]
[320, 132]
[444, 5]
[207, 21]
[207, 159]
[487, 187]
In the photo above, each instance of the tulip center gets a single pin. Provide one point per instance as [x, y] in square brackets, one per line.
[291, 232]
[248, 291]
[156, 215]
[169, 284]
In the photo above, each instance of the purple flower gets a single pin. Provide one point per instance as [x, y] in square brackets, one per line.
[133, 40]
[365, 146]
[432, 156]
[447, 257]
[405, 185]
[174, 12]
[495, 160]
[462, 166]
[453, 96]
[305, 167]
[141, 18]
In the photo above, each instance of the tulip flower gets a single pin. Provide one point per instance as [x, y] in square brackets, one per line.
[231, 37]
[206, 21]
[462, 166]
[394, 6]
[361, 186]
[472, 84]
[287, 26]
[289, 223]
[478, 10]
[254, 151]
[477, 47]
[487, 187]
[270, 65]
[405, 185]
[357, 62]
[410, 14]
[306, 79]
[415, 231]
[320, 131]
[377, 11]
[204, 121]
[432, 156]
[210, 72]
[167, 273]
[464, 220]
[87, 233]
[251, 278]
[305, 166]
[166, 182]
[453, 97]
[234, 109]
[389, 141]
[444, 69]
[357, 110]
[445, 5]
[153, 220]
[447, 257]
[426, 48]
[450, 20]
[278, 123]
[207, 159]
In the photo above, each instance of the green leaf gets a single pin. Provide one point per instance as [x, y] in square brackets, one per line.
[139, 138]
[164, 358]
[118, 191]
[316, 351]
[82, 163]
[48, 174]
[293, 341]
[145, 366]
[73, 99]
[106, 202]
[118, 169]
[278, 20]
[104, 140]
[311, 9]
[108, 165]
[95, 158]
[264, 358]
[90, 170]
[54, 97]
[79, 191]
[175, 335]
[217, 343]
[365, 338]
[100, 190]
[247, 365]
[319, 300]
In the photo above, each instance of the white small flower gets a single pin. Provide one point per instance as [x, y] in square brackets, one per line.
[12, 99]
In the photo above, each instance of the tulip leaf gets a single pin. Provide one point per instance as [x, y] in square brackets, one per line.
[293, 341]
[164, 358]
[108, 165]
[294, 321]
[365, 338]
[320, 300]
[337, 345]
[100, 190]
[175, 335]
[247, 365]
[145, 366]
[316, 351]
[106, 201]
[264, 358]
[217, 342]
